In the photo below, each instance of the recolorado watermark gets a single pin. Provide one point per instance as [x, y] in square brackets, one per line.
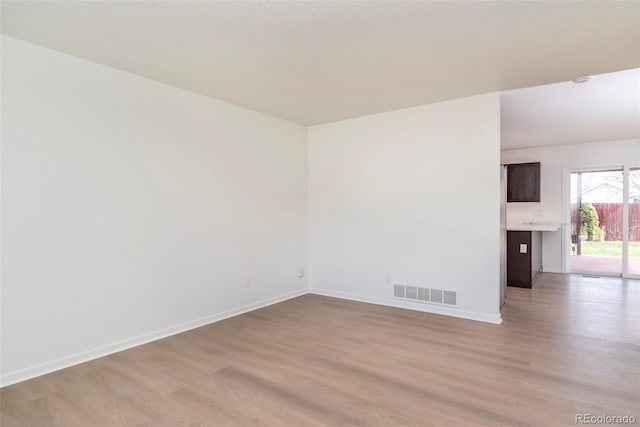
[605, 419]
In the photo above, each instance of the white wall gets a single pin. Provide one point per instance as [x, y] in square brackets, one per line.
[413, 193]
[132, 209]
[552, 161]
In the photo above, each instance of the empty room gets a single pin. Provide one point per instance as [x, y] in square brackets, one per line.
[327, 213]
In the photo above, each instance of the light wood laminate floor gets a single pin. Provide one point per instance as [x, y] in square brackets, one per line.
[570, 345]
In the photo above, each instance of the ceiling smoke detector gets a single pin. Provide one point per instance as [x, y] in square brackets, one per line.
[583, 79]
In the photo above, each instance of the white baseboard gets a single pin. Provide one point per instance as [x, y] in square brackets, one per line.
[85, 356]
[427, 308]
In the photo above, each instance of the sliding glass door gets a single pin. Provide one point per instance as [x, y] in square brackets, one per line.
[604, 221]
[596, 221]
[633, 223]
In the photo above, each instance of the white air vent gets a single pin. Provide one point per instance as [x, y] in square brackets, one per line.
[419, 294]
[449, 297]
[436, 295]
[398, 291]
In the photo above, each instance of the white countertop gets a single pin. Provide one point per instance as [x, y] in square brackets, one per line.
[534, 226]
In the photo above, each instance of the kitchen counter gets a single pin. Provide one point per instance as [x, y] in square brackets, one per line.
[534, 226]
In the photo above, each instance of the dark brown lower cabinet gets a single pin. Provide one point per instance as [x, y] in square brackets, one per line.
[524, 257]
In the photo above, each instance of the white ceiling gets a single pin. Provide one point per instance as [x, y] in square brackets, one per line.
[606, 108]
[316, 62]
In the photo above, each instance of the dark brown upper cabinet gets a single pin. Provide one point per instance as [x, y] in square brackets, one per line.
[523, 182]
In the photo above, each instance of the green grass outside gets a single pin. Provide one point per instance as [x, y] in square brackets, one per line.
[609, 248]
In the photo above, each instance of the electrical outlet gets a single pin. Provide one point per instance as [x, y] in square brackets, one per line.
[247, 282]
[301, 272]
[387, 278]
